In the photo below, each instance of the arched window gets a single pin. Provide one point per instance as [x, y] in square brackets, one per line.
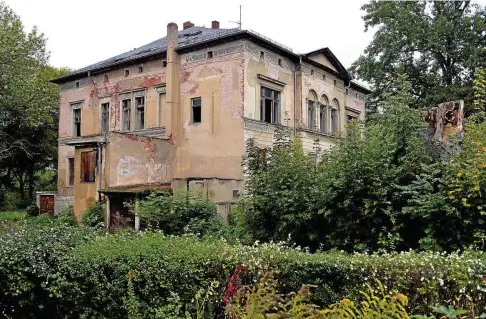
[311, 110]
[323, 114]
[335, 117]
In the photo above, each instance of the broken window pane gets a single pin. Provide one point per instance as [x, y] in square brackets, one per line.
[269, 105]
[126, 107]
[140, 113]
[70, 171]
[77, 122]
[105, 117]
[88, 166]
[196, 110]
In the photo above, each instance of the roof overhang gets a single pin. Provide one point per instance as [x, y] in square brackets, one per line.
[136, 188]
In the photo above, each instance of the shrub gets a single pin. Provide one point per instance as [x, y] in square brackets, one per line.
[93, 216]
[32, 210]
[182, 213]
[67, 217]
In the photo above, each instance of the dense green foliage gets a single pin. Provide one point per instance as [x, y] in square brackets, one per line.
[182, 213]
[59, 272]
[29, 111]
[384, 187]
[438, 44]
[94, 216]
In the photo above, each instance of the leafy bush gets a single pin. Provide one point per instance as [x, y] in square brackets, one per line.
[182, 213]
[94, 216]
[67, 216]
[59, 271]
[32, 210]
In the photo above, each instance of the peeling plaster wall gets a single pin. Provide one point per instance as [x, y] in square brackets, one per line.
[214, 147]
[133, 160]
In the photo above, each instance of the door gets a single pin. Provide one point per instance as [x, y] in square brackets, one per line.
[46, 204]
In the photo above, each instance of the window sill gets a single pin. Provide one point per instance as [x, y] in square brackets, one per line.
[319, 133]
[87, 182]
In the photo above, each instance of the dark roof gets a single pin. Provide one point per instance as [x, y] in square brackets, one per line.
[157, 47]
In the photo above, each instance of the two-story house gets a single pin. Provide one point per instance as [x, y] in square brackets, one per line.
[176, 113]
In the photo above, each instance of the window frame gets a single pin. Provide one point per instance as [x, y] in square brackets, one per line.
[102, 117]
[126, 119]
[140, 124]
[76, 107]
[276, 104]
[192, 109]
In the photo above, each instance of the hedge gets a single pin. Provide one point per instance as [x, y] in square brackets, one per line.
[68, 272]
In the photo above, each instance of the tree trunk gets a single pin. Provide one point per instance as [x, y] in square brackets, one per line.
[21, 186]
[31, 181]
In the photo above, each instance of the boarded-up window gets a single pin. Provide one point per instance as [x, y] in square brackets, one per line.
[105, 117]
[88, 166]
[70, 171]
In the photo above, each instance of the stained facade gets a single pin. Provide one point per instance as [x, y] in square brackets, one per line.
[176, 114]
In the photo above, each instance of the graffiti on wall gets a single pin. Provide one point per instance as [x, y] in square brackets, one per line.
[133, 170]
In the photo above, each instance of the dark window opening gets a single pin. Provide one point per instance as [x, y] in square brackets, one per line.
[312, 72]
[105, 117]
[280, 62]
[356, 94]
[262, 55]
[127, 72]
[105, 77]
[269, 105]
[76, 122]
[140, 112]
[335, 82]
[351, 118]
[324, 77]
[88, 166]
[196, 110]
[71, 171]
[77, 84]
[126, 107]
[346, 91]
[164, 63]
[210, 54]
[140, 69]
[236, 193]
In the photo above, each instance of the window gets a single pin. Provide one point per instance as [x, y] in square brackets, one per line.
[88, 166]
[77, 122]
[77, 85]
[105, 77]
[346, 91]
[70, 172]
[355, 94]
[269, 105]
[350, 118]
[126, 107]
[334, 119]
[127, 72]
[196, 110]
[210, 54]
[323, 115]
[236, 193]
[164, 63]
[140, 69]
[105, 117]
[280, 62]
[311, 114]
[312, 72]
[324, 77]
[335, 82]
[140, 112]
[262, 55]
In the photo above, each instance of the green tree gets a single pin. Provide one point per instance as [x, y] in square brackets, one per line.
[438, 44]
[29, 105]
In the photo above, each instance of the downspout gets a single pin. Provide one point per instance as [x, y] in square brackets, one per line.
[295, 95]
[100, 169]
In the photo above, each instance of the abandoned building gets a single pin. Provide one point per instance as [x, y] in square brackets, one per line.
[176, 113]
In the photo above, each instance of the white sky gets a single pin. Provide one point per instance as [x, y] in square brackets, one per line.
[82, 32]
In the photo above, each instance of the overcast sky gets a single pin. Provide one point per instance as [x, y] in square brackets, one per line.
[82, 32]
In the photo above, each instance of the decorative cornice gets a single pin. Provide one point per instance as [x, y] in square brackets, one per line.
[266, 78]
[259, 126]
[352, 110]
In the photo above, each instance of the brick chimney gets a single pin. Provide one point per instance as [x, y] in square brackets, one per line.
[215, 24]
[187, 25]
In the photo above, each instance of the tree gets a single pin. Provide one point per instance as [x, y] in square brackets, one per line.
[29, 104]
[438, 44]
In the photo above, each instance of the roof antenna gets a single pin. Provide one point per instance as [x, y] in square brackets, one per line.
[239, 21]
